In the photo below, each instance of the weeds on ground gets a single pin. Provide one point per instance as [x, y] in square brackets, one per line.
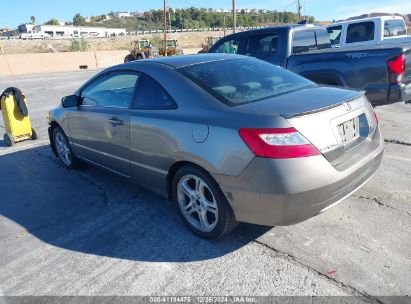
[78, 45]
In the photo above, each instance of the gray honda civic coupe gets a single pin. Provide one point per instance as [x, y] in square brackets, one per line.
[227, 138]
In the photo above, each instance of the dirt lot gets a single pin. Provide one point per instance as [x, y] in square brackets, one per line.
[88, 232]
[186, 40]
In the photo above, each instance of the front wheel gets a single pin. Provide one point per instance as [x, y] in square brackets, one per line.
[63, 149]
[201, 204]
[129, 58]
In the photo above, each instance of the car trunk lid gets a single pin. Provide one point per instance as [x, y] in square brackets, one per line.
[335, 121]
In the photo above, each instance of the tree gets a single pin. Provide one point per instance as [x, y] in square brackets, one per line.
[78, 20]
[33, 19]
[52, 21]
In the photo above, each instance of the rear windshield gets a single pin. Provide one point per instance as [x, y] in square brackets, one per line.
[246, 80]
[394, 27]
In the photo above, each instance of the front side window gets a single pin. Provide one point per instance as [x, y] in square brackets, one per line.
[303, 41]
[228, 47]
[112, 90]
[150, 95]
[359, 32]
[394, 27]
[262, 46]
[246, 80]
[335, 34]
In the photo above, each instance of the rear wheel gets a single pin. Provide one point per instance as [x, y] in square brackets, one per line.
[8, 139]
[63, 149]
[34, 135]
[201, 204]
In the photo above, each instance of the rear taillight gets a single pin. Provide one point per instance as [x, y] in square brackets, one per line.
[277, 143]
[396, 69]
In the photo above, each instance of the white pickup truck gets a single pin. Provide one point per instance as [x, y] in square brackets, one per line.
[368, 31]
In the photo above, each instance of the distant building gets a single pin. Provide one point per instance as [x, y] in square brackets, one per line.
[120, 15]
[5, 32]
[26, 28]
[78, 31]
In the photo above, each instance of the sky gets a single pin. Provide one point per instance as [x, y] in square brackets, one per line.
[19, 11]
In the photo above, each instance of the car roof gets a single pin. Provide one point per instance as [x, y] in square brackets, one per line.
[180, 61]
[384, 18]
[278, 28]
[284, 27]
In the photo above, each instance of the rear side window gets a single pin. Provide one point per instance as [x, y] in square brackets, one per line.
[359, 32]
[394, 27]
[262, 46]
[335, 34]
[228, 47]
[303, 41]
[323, 39]
[150, 95]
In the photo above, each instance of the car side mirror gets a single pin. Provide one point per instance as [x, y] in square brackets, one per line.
[70, 101]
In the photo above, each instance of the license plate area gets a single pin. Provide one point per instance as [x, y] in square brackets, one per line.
[349, 130]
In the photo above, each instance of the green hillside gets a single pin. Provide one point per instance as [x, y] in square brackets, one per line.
[191, 18]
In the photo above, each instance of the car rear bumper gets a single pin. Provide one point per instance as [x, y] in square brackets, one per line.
[284, 192]
[380, 94]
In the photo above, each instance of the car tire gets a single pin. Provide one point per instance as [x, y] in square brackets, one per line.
[129, 58]
[8, 139]
[201, 204]
[63, 149]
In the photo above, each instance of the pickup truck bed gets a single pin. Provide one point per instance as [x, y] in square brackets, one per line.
[357, 67]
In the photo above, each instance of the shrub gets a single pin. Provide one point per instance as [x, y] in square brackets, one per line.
[78, 45]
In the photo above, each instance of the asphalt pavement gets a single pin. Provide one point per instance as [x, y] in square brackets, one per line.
[88, 232]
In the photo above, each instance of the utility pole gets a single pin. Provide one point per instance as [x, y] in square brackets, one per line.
[224, 24]
[169, 16]
[299, 7]
[165, 29]
[234, 18]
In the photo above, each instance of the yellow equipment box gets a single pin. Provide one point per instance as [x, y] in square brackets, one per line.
[17, 125]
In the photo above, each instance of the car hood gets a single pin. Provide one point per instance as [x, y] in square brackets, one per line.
[303, 101]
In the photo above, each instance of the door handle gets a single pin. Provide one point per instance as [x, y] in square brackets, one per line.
[116, 122]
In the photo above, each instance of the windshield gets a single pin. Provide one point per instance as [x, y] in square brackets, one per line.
[171, 43]
[244, 80]
[144, 44]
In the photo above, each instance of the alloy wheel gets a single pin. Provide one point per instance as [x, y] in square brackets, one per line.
[197, 203]
[63, 149]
